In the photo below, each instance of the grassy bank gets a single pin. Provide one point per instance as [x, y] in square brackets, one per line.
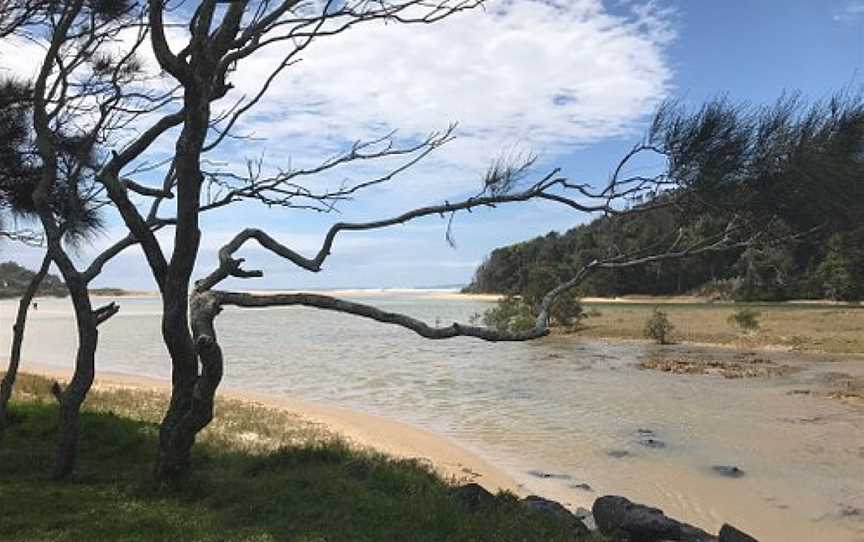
[260, 474]
[806, 328]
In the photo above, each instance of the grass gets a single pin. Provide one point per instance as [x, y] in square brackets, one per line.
[259, 475]
[806, 328]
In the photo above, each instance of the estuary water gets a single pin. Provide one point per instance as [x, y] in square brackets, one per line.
[567, 418]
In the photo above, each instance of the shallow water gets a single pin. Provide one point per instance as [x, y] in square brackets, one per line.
[553, 406]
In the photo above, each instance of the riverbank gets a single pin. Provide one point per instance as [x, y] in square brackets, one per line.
[260, 474]
[572, 409]
[797, 327]
[275, 417]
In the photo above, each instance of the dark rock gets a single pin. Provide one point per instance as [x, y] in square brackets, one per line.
[542, 474]
[729, 533]
[582, 486]
[849, 511]
[730, 471]
[472, 496]
[556, 510]
[623, 520]
[652, 443]
[618, 454]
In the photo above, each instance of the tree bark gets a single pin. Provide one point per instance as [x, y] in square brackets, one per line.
[17, 340]
[175, 435]
[192, 400]
[73, 396]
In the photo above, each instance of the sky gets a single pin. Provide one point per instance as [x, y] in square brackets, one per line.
[573, 81]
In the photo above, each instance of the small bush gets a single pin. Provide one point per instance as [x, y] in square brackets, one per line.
[567, 313]
[745, 319]
[513, 313]
[658, 327]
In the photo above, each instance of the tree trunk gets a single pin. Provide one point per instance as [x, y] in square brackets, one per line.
[175, 442]
[73, 396]
[191, 407]
[17, 340]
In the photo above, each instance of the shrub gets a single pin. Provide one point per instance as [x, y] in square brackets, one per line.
[515, 313]
[658, 327]
[511, 313]
[745, 318]
[566, 313]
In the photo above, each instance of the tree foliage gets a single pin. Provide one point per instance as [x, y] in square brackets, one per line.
[801, 166]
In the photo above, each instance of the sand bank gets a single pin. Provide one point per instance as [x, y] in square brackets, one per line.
[398, 439]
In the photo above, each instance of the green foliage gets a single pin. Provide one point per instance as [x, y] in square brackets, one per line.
[515, 313]
[510, 313]
[745, 318]
[320, 490]
[658, 327]
[784, 169]
[841, 274]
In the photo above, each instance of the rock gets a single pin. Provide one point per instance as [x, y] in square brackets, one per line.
[556, 510]
[652, 443]
[730, 471]
[623, 520]
[617, 454]
[729, 533]
[583, 486]
[542, 474]
[473, 496]
[849, 511]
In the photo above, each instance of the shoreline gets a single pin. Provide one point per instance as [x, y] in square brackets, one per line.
[399, 439]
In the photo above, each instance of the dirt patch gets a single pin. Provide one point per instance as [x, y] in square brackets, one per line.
[739, 368]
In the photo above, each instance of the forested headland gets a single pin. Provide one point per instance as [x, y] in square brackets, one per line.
[800, 164]
[14, 280]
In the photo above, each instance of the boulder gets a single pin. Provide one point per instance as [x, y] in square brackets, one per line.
[473, 496]
[626, 521]
[729, 471]
[652, 443]
[556, 510]
[729, 533]
[618, 454]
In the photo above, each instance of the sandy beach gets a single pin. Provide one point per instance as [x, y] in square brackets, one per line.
[397, 439]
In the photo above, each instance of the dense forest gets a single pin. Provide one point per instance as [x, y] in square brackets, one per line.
[14, 280]
[822, 265]
[793, 172]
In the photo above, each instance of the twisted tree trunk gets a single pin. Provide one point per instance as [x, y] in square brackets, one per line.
[17, 340]
[193, 394]
[71, 399]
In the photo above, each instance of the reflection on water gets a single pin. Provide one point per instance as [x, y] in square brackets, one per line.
[578, 411]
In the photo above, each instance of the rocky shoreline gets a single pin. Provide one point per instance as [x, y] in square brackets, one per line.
[614, 517]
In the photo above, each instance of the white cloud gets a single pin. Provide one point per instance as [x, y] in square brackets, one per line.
[539, 74]
[850, 12]
[545, 75]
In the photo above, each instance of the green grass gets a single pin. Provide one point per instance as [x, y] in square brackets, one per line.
[294, 482]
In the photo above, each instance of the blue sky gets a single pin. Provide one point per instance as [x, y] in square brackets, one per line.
[500, 73]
